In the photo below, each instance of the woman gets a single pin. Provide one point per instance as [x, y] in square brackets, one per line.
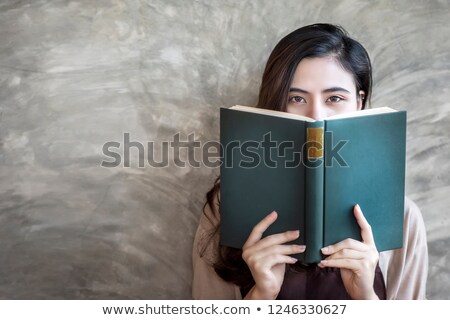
[316, 71]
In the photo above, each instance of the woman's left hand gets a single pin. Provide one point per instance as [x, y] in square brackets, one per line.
[357, 260]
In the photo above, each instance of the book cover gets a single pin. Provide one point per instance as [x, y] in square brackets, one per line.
[312, 173]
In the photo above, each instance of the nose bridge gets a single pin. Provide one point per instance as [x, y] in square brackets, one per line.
[317, 108]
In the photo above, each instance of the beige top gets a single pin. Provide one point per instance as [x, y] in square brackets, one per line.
[404, 270]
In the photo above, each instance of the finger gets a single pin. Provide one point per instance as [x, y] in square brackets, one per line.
[279, 259]
[277, 239]
[282, 259]
[366, 229]
[348, 243]
[347, 254]
[270, 261]
[278, 250]
[350, 264]
[258, 229]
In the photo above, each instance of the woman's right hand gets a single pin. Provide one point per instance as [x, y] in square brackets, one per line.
[267, 258]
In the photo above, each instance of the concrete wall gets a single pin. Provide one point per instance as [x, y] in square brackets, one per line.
[77, 74]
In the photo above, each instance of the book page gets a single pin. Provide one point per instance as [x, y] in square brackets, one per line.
[274, 113]
[361, 113]
[358, 113]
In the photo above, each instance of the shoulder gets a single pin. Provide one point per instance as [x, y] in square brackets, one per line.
[411, 209]
[207, 235]
[210, 217]
[405, 270]
[414, 233]
[206, 284]
[414, 226]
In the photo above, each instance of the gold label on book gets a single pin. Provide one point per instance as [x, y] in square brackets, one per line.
[314, 138]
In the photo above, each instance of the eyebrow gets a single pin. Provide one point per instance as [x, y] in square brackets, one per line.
[333, 89]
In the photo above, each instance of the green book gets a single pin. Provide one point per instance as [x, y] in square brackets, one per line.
[312, 173]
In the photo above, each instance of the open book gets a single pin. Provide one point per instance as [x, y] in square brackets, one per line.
[312, 173]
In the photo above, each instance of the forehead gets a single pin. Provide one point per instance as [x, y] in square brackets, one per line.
[317, 74]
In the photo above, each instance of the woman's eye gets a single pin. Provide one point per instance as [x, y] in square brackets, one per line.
[335, 99]
[296, 99]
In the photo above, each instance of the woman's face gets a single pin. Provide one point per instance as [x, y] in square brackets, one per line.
[322, 88]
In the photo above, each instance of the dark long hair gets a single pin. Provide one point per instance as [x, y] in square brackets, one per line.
[313, 41]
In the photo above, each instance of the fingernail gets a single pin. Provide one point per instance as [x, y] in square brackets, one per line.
[325, 249]
[293, 260]
[358, 207]
[323, 262]
[301, 247]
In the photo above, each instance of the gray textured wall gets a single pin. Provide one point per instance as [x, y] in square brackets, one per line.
[76, 74]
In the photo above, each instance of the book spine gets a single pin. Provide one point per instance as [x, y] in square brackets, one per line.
[314, 215]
